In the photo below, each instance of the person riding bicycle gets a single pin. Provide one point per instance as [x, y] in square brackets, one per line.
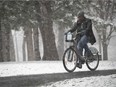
[83, 25]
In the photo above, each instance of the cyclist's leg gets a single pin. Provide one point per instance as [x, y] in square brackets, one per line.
[81, 44]
[79, 51]
[85, 46]
[80, 47]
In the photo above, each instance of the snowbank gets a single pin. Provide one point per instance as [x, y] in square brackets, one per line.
[98, 81]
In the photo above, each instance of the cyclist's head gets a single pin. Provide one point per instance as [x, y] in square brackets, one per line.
[81, 15]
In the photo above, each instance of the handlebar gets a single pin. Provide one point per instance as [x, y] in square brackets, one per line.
[76, 34]
[74, 37]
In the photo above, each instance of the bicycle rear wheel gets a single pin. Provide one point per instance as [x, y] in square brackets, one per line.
[70, 59]
[92, 62]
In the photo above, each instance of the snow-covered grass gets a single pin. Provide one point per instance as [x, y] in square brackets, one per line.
[44, 67]
[98, 81]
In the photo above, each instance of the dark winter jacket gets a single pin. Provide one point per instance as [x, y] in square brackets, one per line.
[86, 25]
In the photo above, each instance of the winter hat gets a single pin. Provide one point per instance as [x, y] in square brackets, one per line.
[81, 13]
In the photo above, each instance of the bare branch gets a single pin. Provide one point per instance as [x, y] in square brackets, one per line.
[110, 32]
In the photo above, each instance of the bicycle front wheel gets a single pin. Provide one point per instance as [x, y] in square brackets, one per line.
[70, 59]
[92, 62]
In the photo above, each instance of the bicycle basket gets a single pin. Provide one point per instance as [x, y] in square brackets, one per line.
[69, 37]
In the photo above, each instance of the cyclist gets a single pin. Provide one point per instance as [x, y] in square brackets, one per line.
[83, 25]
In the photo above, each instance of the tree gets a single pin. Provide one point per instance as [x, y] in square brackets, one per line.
[46, 28]
[5, 31]
[1, 58]
[29, 42]
[36, 42]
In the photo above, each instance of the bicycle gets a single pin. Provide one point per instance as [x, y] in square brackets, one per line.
[71, 55]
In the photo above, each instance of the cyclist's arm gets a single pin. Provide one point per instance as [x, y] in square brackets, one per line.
[89, 26]
[73, 28]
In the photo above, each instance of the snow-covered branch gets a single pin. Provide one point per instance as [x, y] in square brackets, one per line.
[101, 21]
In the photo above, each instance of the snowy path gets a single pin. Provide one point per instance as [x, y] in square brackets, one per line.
[43, 67]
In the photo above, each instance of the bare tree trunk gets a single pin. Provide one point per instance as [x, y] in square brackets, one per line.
[28, 34]
[100, 47]
[36, 43]
[50, 51]
[61, 41]
[24, 50]
[1, 37]
[12, 50]
[46, 28]
[105, 52]
[1, 58]
[105, 46]
[6, 42]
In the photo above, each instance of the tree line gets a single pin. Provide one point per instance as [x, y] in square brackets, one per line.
[34, 15]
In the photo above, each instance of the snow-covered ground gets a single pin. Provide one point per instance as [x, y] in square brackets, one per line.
[43, 67]
[98, 81]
